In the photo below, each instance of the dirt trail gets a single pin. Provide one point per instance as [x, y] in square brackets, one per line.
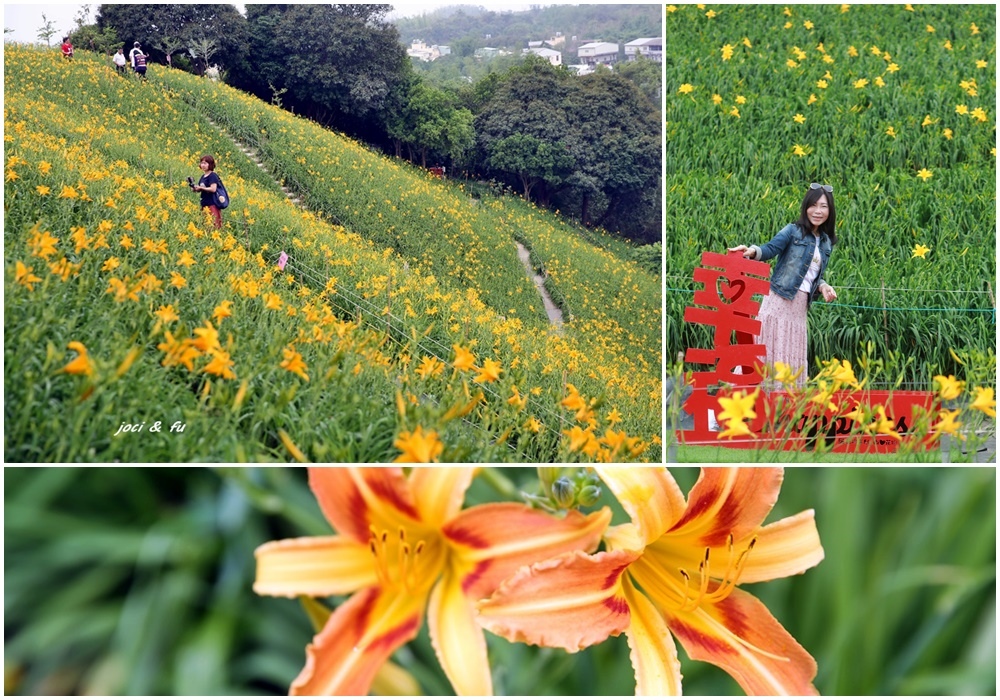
[551, 310]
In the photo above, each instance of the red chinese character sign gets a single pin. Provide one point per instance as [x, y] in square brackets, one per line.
[727, 302]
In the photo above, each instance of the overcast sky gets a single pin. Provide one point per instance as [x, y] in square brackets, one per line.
[26, 20]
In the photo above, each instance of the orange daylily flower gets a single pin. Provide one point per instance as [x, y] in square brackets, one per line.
[406, 548]
[673, 573]
[82, 364]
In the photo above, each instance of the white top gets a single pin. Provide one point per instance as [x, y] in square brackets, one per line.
[813, 272]
[119, 59]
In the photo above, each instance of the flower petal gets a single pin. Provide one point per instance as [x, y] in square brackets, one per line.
[357, 640]
[497, 539]
[729, 501]
[353, 498]
[654, 654]
[784, 548]
[457, 638]
[739, 635]
[649, 495]
[571, 602]
[439, 492]
[313, 566]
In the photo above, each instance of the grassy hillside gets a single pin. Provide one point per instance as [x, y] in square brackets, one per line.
[410, 329]
[896, 108]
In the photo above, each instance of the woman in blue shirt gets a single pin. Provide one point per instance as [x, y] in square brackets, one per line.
[803, 251]
[207, 185]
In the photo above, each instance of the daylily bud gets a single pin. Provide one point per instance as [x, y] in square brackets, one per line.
[547, 475]
[588, 495]
[563, 492]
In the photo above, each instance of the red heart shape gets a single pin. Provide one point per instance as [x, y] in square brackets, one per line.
[732, 290]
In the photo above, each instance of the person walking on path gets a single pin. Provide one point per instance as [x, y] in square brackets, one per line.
[207, 185]
[803, 250]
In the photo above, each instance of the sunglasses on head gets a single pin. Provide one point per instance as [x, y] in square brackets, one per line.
[817, 186]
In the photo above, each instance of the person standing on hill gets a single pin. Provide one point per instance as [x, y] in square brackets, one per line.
[138, 60]
[67, 48]
[119, 60]
[803, 250]
[207, 185]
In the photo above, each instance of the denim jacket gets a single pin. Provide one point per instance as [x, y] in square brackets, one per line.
[794, 248]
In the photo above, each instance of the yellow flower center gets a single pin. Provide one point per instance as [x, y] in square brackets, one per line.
[401, 563]
[666, 572]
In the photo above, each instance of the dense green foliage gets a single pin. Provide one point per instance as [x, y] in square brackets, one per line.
[879, 101]
[139, 581]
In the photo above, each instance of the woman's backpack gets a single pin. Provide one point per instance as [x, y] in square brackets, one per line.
[220, 197]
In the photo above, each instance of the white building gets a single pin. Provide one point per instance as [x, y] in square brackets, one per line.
[598, 52]
[418, 49]
[553, 57]
[647, 48]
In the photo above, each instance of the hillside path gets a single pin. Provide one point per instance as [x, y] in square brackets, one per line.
[551, 310]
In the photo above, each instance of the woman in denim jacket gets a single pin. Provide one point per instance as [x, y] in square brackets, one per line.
[803, 251]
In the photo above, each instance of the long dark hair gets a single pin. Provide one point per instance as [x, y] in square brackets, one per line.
[828, 227]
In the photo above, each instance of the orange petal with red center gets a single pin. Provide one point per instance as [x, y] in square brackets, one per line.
[439, 492]
[494, 540]
[357, 640]
[653, 652]
[571, 602]
[729, 501]
[740, 636]
[353, 498]
[649, 495]
[313, 566]
[457, 638]
[784, 548]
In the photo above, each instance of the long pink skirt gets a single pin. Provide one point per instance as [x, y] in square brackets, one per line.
[783, 332]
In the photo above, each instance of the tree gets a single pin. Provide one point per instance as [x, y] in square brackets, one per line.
[169, 45]
[203, 48]
[47, 30]
[341, 64]
[90, 38]
[533, 160]
[431, 123]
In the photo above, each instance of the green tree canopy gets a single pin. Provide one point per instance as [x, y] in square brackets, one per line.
[341, 64]
[155, 26]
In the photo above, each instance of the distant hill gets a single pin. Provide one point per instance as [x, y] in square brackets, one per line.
[475, 27]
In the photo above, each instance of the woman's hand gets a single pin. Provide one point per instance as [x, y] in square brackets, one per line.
[828, 292]
[747, 252]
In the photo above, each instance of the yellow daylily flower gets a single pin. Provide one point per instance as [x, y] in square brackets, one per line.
[948, 387]
[672, 573]
[920, 251]
[82, 364]
[947, 425]
[293, 362]
[984, 401]
[489, 372]
[404, 549]
[464, 359]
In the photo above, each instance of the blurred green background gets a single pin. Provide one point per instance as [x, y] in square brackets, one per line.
[122, 580]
